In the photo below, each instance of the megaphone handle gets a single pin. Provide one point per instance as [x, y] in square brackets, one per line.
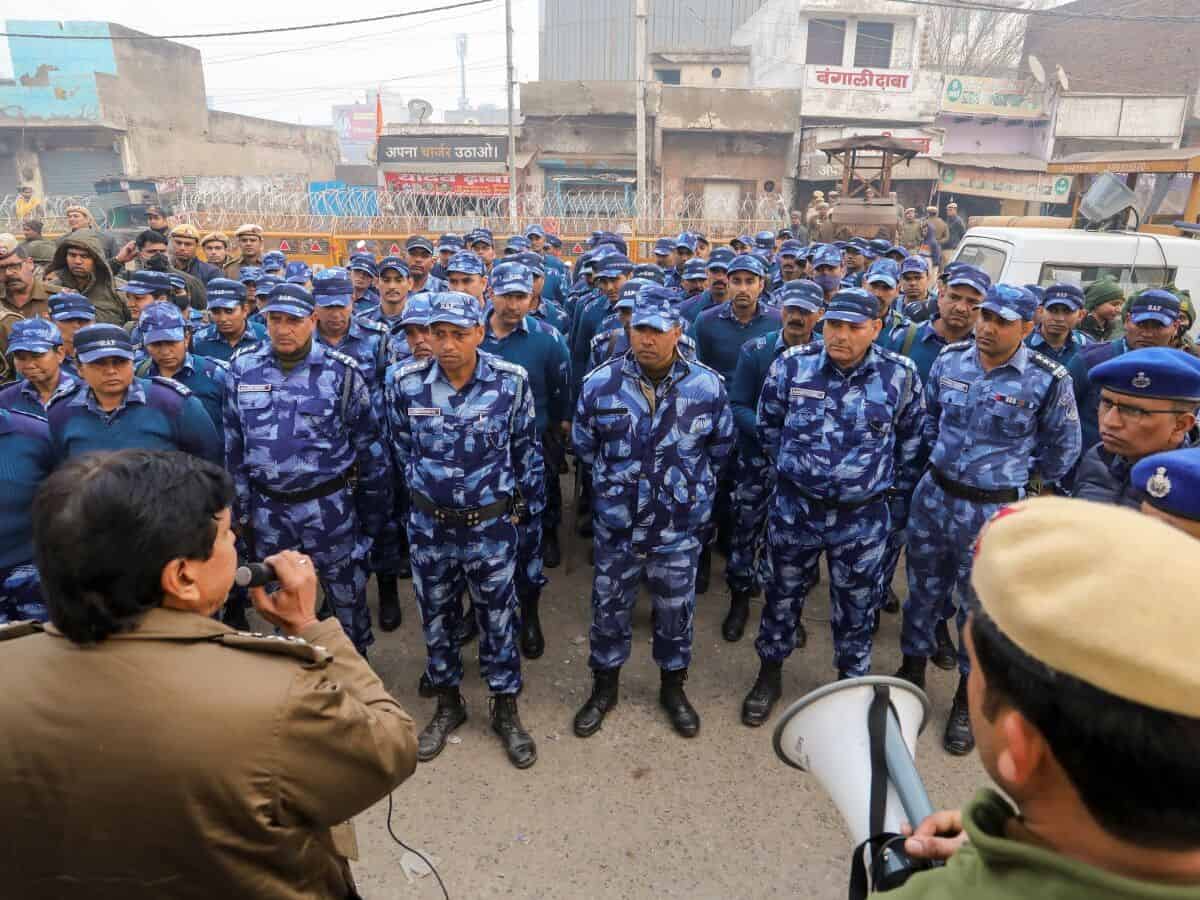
[903, 773]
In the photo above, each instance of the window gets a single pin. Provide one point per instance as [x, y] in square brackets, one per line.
[990, 259]
[1134, 278]
[826, 38]
[667, 76]
[873, 48]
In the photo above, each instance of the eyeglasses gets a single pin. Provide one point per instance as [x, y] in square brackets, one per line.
[1133, 413]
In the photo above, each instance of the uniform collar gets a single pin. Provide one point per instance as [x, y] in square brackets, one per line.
[484, 371]
[188, 367]
[135, 393]
[1018, 360]
[866, 364]
[726, 312]
[522, 326]
[679, 368]
[66, 383]
[165, 624]
[316, 353]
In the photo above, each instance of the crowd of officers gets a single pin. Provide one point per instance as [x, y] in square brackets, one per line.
[774, 400]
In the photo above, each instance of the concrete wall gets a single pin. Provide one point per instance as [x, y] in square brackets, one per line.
[1158, 118]
[974, 136]
[728, 109]
[733, 75]
[697, 156]
[55, 82]
[578, 98]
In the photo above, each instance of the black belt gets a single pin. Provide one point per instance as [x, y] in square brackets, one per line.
[974, 494]
[837, 504]
[470, 517]
[324, 489]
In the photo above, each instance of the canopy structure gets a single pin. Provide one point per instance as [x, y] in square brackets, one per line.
[867, 160]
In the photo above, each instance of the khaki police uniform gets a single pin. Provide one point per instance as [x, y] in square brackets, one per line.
[182, 759]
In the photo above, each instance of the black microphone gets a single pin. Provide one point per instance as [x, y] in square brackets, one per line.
[254, 574]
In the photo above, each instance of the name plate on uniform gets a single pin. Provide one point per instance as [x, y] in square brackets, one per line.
[955, 385]
[614, 411]
[254, 388]
[425, 411]
[806, 392]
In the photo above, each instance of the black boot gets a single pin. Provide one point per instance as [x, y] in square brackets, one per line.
[584, 526]
[605, 693]
[682, 714]
[521, 750]
[912, 669]
[945, 656]
[425, 687]
[450, 713]
[404, 568]
[533, 644]
[468, 626]
[959, 739]
[704, 569]
[767, 689]
[801, 635]
[389, 602]
[551, 552]
[734, 625]
[892, 603]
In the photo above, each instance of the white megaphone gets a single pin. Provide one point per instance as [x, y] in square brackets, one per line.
[859, 737]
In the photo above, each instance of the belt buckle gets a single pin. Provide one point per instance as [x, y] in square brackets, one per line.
[471, 518]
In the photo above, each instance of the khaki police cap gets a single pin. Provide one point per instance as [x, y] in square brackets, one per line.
[186, 230]
[1099, 592]
[214, 236]
[248, 228]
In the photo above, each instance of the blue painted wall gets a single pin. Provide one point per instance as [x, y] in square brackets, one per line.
[59, 76]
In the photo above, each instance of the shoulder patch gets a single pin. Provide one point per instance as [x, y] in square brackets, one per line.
[242, 352]
[181, 389]
[1042, 361]
[214, 362]
[608, 362]
[801, 350]
[14, 630]
[341, 357]
[503, 365]
[897, 358]
[603, 338]
[372, 325]
[415, 365]
[312, 655]
[958, 345]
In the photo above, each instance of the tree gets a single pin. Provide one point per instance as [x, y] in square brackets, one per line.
[975, 42]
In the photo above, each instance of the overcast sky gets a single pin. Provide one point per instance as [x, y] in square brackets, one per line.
[298, 76]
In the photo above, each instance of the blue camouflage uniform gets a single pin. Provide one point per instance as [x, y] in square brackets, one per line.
[310, 470]
[205, 377]
[754, 479]
[432, 283]
[156, 413]
[1153, 373]
[543, 356]
[989, 433]
[29, 457]
[842, 442]
[474, 449]
[37, 336]
[655, 452]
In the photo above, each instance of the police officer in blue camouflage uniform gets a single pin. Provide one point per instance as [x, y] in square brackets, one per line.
[842, 422]
[612, 271]
[655, 430]
[230, 329]
[1148, 401]
[70, 312]
[464, 431]
[164, 333]
[447, 246]
[36, 348]
[303, 445]
[999, 414]
[883, 280]
[828, 269]
[717, 291]
[694, 278]
[685, 249]
[274, 263]
[1055, 335]
[510, 333]
[111, 409]
[364, 341]
[419, 251]
[920, 298]
[394, 283]
[800, 307]
[362, 273]
[28, 454]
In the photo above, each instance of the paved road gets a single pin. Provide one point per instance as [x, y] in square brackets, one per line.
[633, 811]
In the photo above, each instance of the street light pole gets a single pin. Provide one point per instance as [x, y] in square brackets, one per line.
[512, 134]
[641, 16]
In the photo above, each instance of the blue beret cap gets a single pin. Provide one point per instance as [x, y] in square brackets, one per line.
[1009, 301]
[801, 294]
[695, 268]
[419, 242]
[613, 266]
[298, 269]
[450, 242]
[532, 261]
[291, 299]
[971, 276]
[914, 264]
[417, 310]
[395, 263]
[516, 244]
[649, 272]
[686, 241]
[93, 342]
[512, 278]
[828, 255]
[535, 230]
[629, 293]
[884, 270]
[1155, 306]
[1068, 294]
[720, 258]
[663, 246]
[146, 281]
[34, 335]
[852, 305]
[1170, 482]
[765, 240]
[554, 240]
[274, 259]
[466, 263]
[454, 308]
[162, 321]
[791, 248]
[653, 308]
[747, 262]
[1160, 372]
[365, 264]
[65, 306]
[225, 293]
[332, 287]
[247, 274]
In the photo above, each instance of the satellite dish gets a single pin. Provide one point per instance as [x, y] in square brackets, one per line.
[1062, 78]
[420, 110]
[1035, 66]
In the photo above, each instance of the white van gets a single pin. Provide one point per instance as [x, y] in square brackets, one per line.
[1044, 256]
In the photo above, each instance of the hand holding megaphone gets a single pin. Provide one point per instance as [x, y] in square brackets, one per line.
[937, 837]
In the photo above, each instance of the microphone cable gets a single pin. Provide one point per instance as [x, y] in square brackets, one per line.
[417, 853]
